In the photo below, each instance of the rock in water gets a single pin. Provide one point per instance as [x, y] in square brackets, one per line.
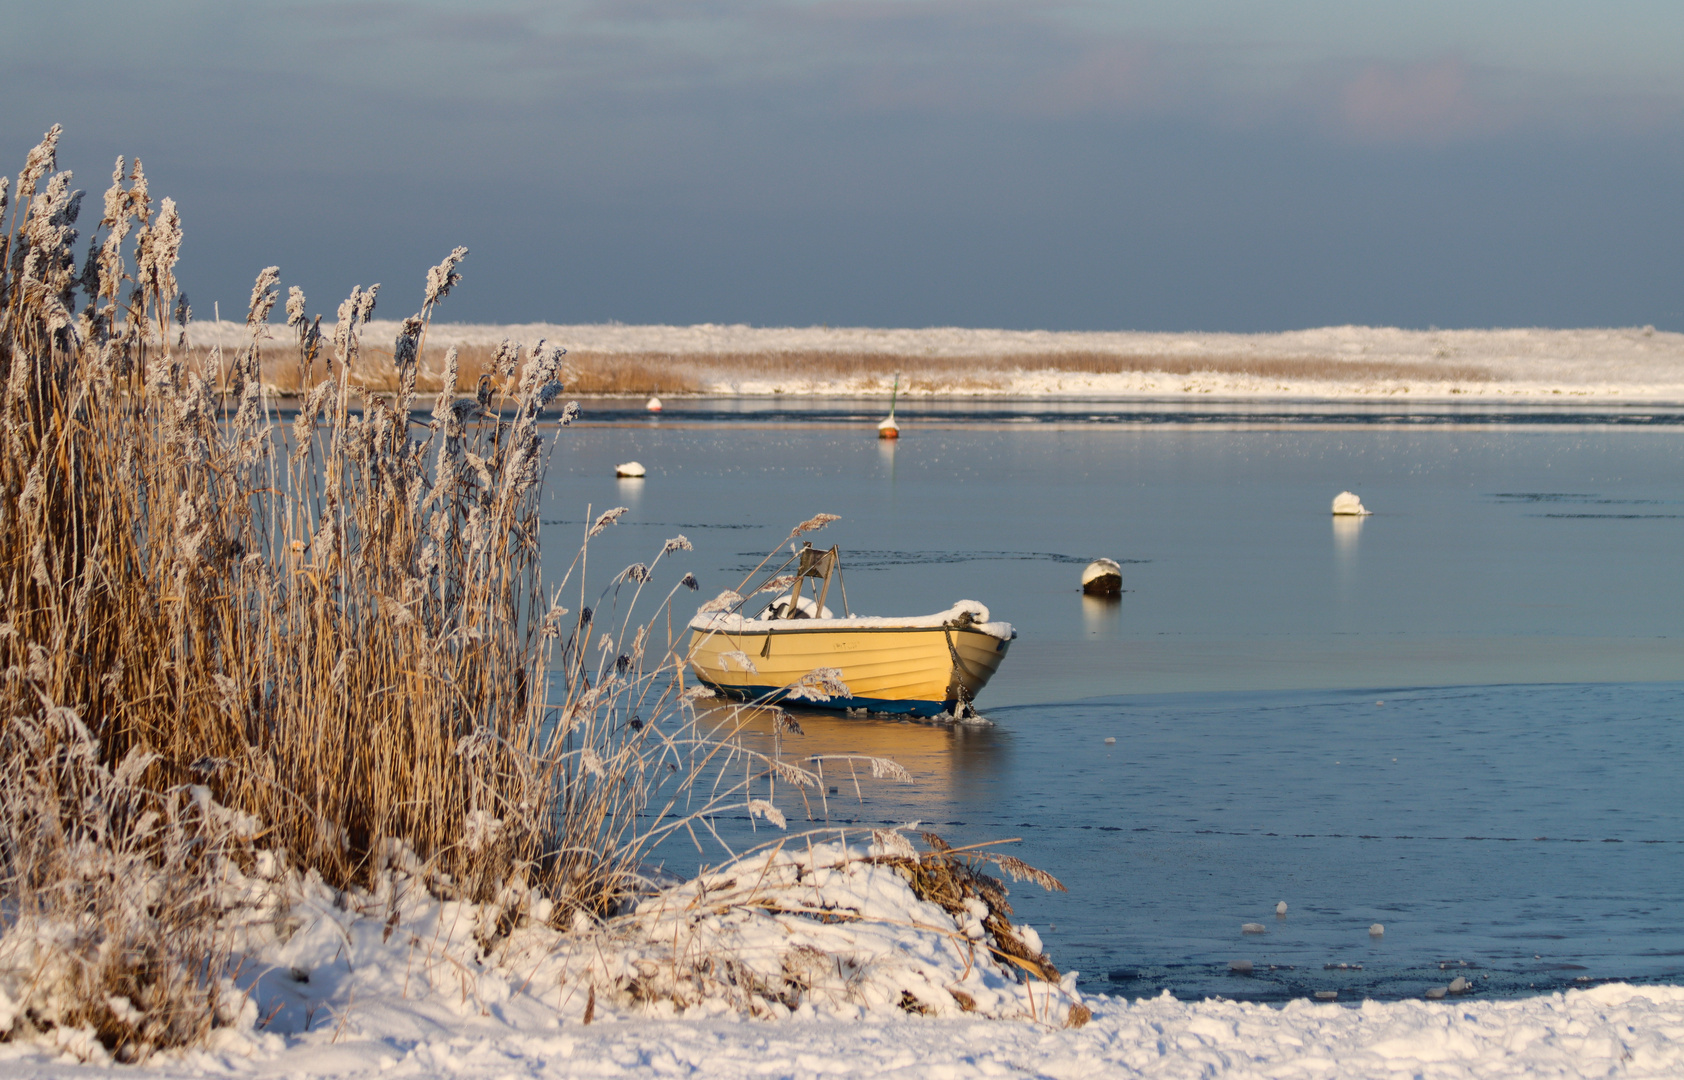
[631, 469]
[1435, 993]
[1345, 504]
[1327, 995]
[1280, 908]
[1459, 985]
[1103, 577]
[1239, 967]
[1253, 928]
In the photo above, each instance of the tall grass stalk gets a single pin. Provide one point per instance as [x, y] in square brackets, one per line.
[225, 637]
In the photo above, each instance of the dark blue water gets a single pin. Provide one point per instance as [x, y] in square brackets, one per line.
[1512, 806]
[1528, 837]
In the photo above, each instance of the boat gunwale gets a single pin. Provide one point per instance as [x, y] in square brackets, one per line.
[776, 626]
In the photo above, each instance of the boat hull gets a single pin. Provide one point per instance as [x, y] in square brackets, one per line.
[920, 671]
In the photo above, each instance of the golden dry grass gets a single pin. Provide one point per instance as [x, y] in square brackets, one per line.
[599, 373]
[228, 640]
[328, 639]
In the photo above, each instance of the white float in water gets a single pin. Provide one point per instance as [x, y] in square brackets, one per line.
[653, 404]
[1253, 928]
[1376, 930]
[1347, 505]
[631, 470]
[1103, 577]
[1280, 908]
[888, 429]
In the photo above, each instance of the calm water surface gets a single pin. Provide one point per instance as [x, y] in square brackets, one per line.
[1457, 717]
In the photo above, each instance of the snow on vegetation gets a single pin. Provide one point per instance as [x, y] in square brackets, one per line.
[296, 731]
[1627, 364]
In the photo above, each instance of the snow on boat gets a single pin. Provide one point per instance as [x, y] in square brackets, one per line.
[924, 665]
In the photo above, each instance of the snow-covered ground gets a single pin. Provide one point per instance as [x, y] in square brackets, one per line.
[1613, 1030]
[398, 983]
[1632, 364]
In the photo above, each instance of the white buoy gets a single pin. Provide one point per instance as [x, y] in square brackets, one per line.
[653, 404]
[1376, 930]
[1347, 505]
[1110, 740]
[632, 470]
[1102, 577]
[1280, 908]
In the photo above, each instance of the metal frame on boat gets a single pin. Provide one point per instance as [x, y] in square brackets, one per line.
[924, 665]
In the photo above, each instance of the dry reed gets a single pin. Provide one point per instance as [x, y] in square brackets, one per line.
[229, 640]
[602, 373]
[333, 631]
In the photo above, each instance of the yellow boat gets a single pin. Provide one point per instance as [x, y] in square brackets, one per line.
[923, 665]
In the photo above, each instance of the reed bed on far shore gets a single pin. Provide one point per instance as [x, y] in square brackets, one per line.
[588, 373]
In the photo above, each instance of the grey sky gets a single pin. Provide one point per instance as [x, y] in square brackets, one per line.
[1207, 164]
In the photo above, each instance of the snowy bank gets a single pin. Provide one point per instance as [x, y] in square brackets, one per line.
[806, 928]
[806, 959]
[1625, 364]
[1613, 1030]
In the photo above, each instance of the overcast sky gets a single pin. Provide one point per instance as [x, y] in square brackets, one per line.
[1165, 165]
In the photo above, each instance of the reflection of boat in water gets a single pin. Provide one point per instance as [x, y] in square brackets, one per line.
[948, 762]
[923, 665]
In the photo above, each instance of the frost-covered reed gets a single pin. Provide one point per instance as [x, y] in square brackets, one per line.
[236, 650]
[226, 638]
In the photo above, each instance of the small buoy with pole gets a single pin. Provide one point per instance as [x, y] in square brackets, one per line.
[888, 429]
[653, 404]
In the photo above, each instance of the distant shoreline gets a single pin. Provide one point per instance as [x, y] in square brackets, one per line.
[1636, 366]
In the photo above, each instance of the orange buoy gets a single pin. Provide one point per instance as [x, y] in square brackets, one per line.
[888, 429]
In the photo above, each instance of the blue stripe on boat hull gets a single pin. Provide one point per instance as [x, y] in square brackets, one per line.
[761, 695]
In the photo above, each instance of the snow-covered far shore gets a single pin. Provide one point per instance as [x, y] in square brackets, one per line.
[1611, 1030]
[1631, 364]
